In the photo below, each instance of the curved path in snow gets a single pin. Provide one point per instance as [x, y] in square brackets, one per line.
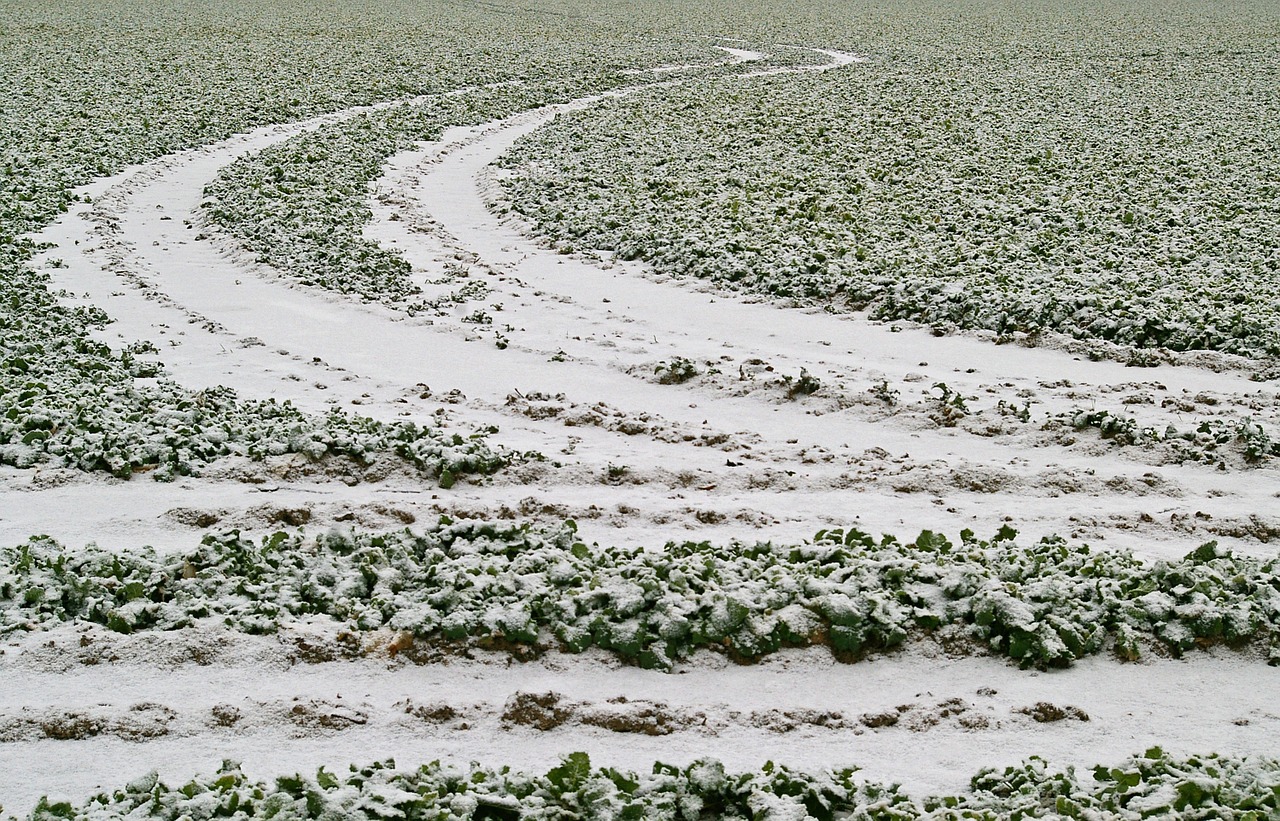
[723, 455]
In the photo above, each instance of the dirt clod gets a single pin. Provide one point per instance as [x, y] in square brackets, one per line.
[874, 720]
[225, 715]
[1045, 713]
[542, 711]
[437, 713]
[72, 726]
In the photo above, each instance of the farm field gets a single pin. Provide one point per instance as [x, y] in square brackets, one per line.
[680, 410]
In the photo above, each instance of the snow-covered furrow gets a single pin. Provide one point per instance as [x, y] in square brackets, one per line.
[446, 188]
[736, 55]
[88, 708]
[644, 508]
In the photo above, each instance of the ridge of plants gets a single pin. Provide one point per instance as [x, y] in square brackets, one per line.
[1154, 783]
[472, 584]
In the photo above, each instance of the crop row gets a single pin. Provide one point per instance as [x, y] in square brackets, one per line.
[1153, 784]
[123, 428]
[476, 584]
[1102, 195]
[69, 401]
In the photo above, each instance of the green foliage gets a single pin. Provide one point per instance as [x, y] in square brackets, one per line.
[1209, 441]
[161, 429]
[948, 407]
[1044, 167]
[1041, 605]
[678, 371]
[1154, 784]
[884, 393]
[91, 88]
[1020, 412]
[802, 385]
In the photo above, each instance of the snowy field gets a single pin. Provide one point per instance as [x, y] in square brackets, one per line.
[864, 414]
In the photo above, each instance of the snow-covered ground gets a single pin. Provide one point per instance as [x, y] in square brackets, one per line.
[181, 702]
[726, 455]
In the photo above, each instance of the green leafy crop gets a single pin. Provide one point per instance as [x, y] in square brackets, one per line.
[1150, 785]
[1044, 604]
[1019, 169]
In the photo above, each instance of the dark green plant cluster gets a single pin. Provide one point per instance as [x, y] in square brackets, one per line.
[948, 407]
[803, 385]
[484, 585]
[676, 372]
[1154, 784]
[1208, 442]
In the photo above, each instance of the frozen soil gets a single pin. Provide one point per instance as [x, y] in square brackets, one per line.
[664, 411]
[178, 702]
